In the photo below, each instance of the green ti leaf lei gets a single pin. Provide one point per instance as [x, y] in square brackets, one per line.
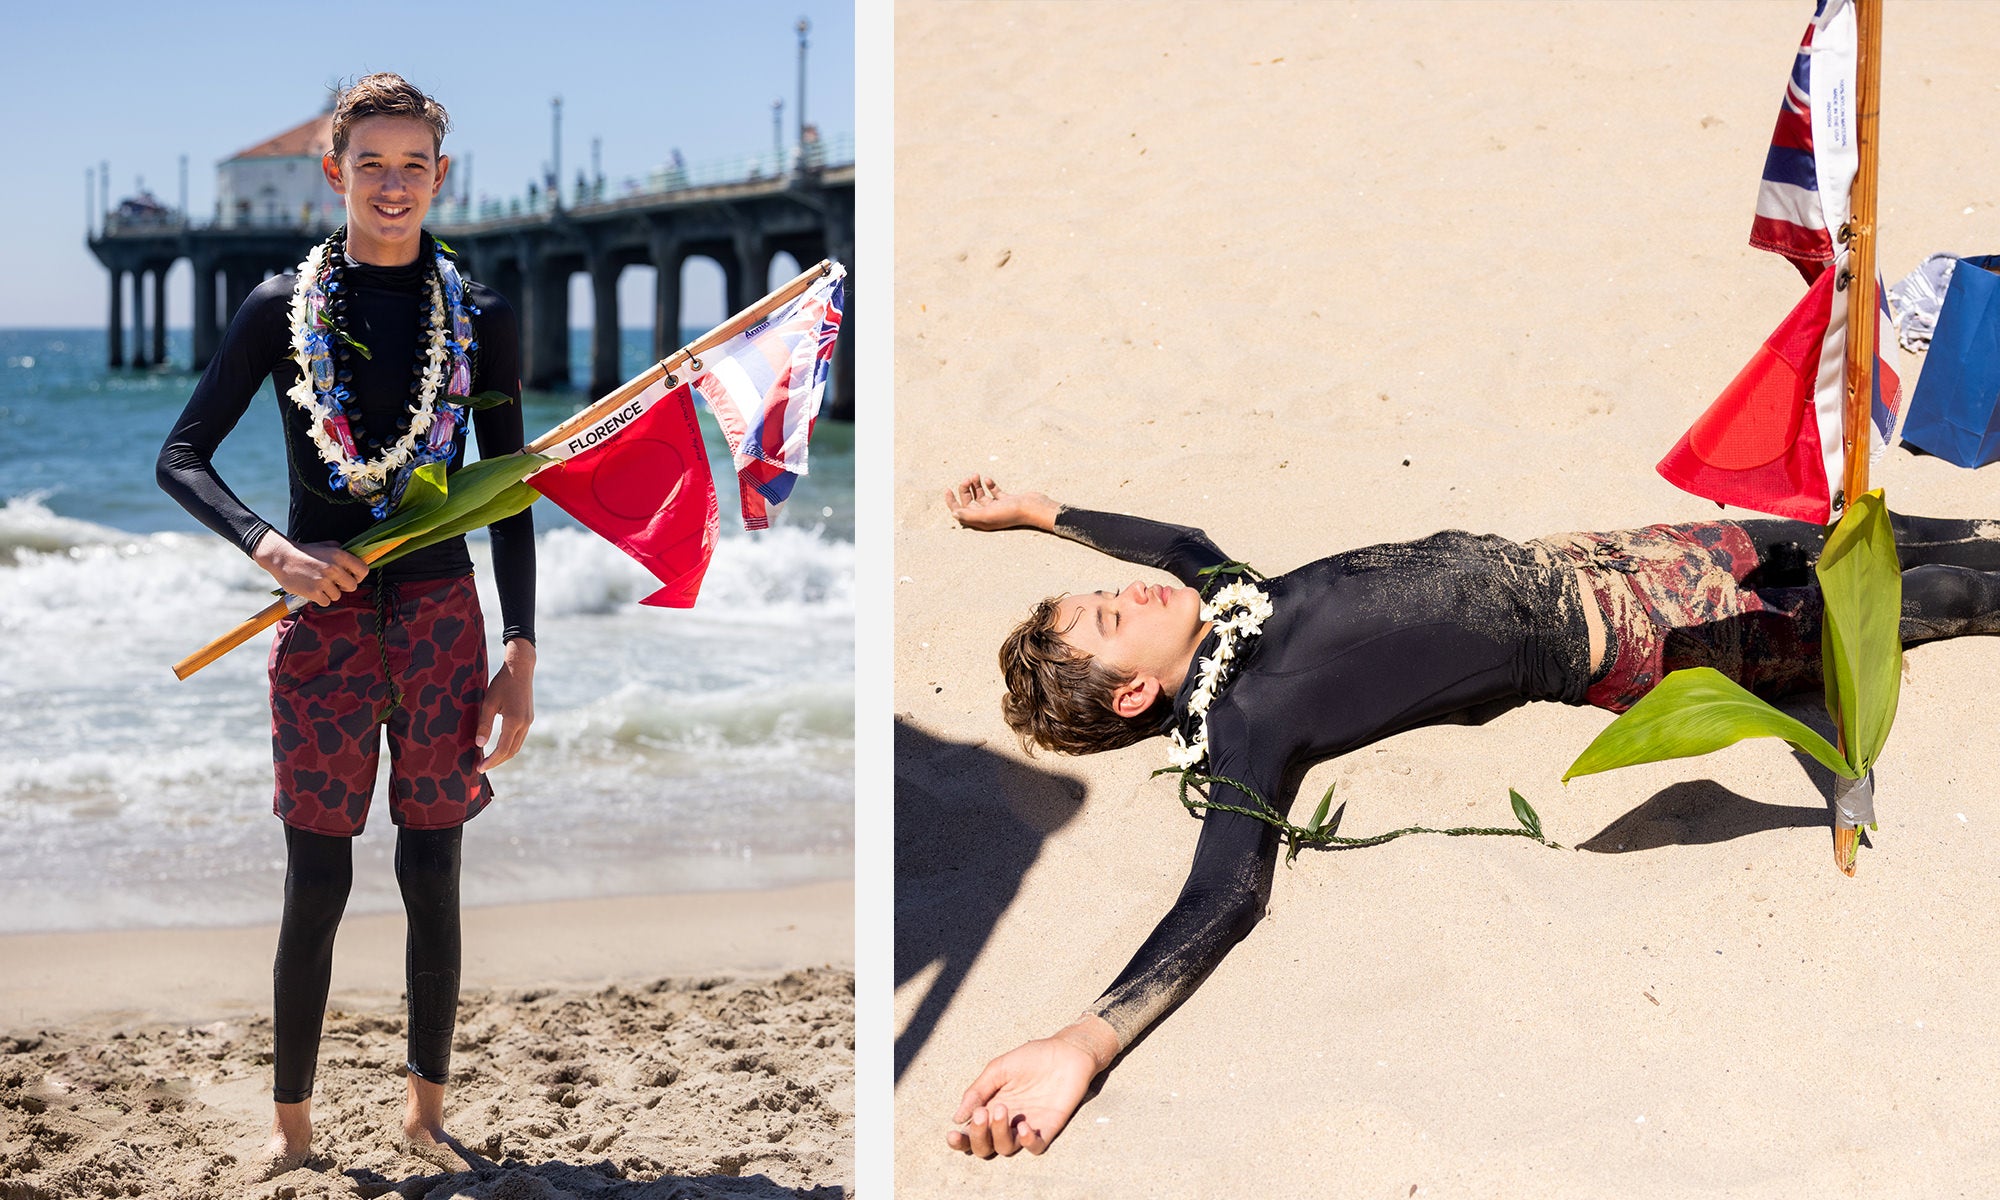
[1323, 829]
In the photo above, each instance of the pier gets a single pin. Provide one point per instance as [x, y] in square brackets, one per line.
[528, 251]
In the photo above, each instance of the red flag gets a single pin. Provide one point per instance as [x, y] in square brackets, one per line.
[1772, 439]
[639, 478]
[1775, 439]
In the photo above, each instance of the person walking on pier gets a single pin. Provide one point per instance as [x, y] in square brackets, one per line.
[375, 346]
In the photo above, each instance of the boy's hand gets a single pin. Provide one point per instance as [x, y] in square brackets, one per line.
[511, 698]
[321, 572]
[978, 503]
[1022, 1100]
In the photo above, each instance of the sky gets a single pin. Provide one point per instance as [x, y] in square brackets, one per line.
[138, 85]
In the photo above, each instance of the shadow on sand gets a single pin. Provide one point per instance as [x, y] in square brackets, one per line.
[557, 1180]
[969, 824]
[1702, 812]
[1697, 813]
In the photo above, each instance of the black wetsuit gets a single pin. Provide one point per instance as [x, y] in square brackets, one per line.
[382, 311]
[1364, 644]
[383, 314]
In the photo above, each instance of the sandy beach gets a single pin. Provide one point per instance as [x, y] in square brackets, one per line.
[1316, 276]
[697, 1045]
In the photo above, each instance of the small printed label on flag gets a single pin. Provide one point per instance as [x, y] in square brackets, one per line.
[604, 427]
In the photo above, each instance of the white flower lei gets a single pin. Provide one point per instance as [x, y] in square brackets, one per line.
[1238, 610]
[312, 351]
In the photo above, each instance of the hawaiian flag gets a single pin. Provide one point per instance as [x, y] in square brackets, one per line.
[764, 386]
[1810, 168]
[1773, 441]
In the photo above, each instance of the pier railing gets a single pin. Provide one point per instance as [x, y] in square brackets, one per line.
[663, 180]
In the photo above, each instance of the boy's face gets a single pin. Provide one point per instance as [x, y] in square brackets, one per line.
[1145, 628]
[388, 175]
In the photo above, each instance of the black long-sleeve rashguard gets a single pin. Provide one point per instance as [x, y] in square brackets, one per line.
[1374, 641]
[1358, 646]
[382, 314]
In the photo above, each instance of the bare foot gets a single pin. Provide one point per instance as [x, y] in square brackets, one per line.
[424, 1136]
[290, 1145]
[276, 1159]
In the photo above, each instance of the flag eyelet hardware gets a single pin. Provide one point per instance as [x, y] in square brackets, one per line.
[1846, 232]
[1841, 280]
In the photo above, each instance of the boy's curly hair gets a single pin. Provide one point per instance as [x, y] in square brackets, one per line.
[1058, 697]
[385, 94]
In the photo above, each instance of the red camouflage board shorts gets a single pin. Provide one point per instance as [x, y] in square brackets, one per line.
[1673, 596]
[328, 691]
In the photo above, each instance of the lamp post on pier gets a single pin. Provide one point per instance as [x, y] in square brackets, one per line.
[555, 152]
[804, 27]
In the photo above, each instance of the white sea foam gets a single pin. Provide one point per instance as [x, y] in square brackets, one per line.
[27, 526]
[779, 575]
[706, 747]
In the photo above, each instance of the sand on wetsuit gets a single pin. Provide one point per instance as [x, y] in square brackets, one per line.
[1365, 644]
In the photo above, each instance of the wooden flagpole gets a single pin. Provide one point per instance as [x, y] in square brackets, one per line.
[1862, 317]
[270, 616]
[597, 410]
[618, 396]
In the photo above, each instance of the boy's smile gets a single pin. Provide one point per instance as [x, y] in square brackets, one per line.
[389, 174]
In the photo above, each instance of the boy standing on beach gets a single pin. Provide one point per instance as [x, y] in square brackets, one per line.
[374, 346]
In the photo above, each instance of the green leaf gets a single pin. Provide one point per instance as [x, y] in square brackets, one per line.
[1525, 813]
[508, 502]
[1319, 814]
[1696, 711]
[1861, 646]
[423, 495]
[360, 349]
[435, 508]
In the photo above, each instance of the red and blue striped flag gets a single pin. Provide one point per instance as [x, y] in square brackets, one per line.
[1810, 167]
[764, 386]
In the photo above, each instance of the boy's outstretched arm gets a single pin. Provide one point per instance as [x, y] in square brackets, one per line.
[978, 503]
[1179, 550]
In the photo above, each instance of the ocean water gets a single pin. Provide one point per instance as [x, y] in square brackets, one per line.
[672, 750]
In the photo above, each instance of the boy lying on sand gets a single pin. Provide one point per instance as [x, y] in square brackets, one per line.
[1345, 651]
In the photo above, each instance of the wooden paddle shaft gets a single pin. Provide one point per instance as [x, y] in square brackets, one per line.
[257, 624]
[234, 638]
